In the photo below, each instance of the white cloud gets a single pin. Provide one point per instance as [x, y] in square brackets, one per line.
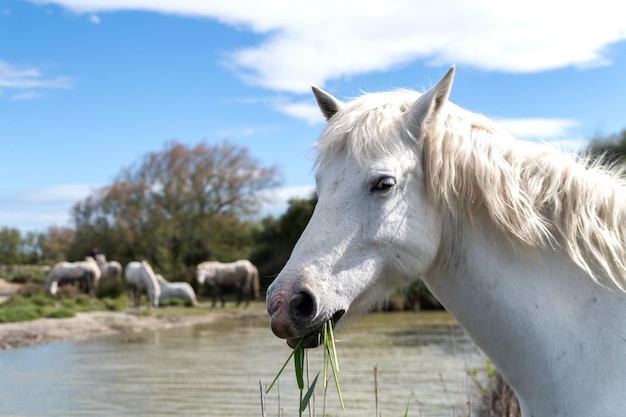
[60, 193]
[29, 219]
[306, 111]
[557, 132]
[95, 19]
[36, 210]
[26, 95]
[312, 42]
[538, 128]
[28, 78]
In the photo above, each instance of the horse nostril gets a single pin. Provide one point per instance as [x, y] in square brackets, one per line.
[302, 305]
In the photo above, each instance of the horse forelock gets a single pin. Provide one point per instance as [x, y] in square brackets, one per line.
[535, 194]
[365, 127]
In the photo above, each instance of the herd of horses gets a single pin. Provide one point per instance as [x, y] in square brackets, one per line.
[216, 277]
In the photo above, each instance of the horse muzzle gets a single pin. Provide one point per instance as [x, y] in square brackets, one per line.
[294, 317]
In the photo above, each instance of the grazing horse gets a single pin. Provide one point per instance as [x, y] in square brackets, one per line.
[111, 270]
[85, 272]
[524, 245]
[240, 274]
[181, 290]
[141, 278]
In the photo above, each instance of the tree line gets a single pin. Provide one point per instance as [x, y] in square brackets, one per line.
[187, 204]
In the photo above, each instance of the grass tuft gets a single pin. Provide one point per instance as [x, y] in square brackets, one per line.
[298, 355]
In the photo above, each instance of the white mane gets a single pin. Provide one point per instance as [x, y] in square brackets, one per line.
[535, 194]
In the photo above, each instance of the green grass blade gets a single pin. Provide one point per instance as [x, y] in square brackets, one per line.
[333, 365]
[307, 397]
[332, 341]
[298, 345]
[406, 412]
[325, 335]
[298, 360]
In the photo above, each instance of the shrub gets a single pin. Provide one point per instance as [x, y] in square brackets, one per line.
[41, 300]
[18, 313]
[110, 289]
[115, 304]
[61, 313]
[68, 291]
[31, 289]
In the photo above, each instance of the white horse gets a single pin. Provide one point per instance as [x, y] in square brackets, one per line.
[241, 274]
[181, 290]
[111, 270]
[141, 278]
[86, 272]
[525, 246]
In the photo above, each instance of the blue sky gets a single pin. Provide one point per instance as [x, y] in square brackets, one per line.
[87, 87]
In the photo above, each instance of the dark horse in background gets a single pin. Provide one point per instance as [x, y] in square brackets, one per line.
[240, 275]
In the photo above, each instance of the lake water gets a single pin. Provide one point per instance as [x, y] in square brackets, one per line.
[215, 370]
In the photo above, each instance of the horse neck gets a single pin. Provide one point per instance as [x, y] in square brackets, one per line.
[151, 279]
[557, 337]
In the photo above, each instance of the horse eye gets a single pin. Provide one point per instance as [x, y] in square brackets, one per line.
[384, 184]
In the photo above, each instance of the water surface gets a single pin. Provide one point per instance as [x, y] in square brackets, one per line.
[215, 370]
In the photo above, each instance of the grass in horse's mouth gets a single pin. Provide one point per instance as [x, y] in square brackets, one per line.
[324, 336]
[315, 338]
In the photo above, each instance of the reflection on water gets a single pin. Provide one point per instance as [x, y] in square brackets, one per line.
[215, 370]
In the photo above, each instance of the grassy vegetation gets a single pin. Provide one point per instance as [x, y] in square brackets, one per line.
[22, 274]
[32, 302]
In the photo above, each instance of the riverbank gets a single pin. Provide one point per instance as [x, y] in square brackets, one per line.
[104, 323]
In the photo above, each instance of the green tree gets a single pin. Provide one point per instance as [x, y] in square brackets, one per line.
[16, 248]
[54, 245]
[611, 149]
[10, 245]
[277, 238]
[176, 208]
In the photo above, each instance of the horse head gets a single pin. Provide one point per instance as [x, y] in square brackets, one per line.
[374, 227]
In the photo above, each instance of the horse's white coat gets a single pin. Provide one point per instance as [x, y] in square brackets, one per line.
[550, 312]
[62, 272]
[140, 277]
[111, 270]
[182, 290]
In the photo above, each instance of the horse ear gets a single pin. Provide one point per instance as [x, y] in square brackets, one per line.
[328, 104]
[427, 107]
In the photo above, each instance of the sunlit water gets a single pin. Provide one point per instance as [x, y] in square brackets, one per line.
[424, 360]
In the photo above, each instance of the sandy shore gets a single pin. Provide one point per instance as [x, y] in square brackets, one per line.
[97, 324]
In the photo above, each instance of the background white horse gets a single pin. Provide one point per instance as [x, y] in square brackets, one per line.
[141, 278]
[111, 270]
[525, 246]
[84, 272]
[182, 290]
[241, 275]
